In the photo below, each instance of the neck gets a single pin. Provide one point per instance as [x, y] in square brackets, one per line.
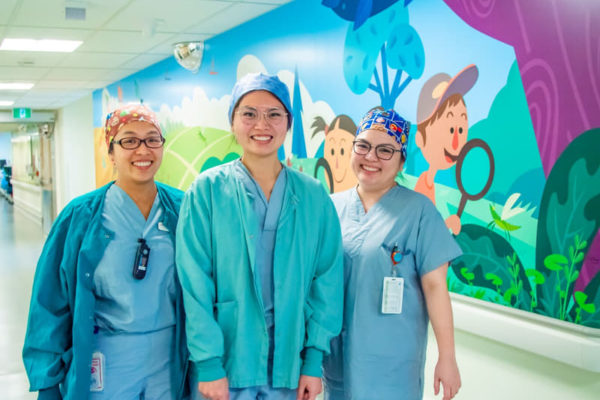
[430, 176]
[264, 170]
[370, 196]
[142, 194]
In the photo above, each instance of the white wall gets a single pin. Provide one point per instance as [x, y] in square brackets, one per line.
[74, 151]
[494, 371]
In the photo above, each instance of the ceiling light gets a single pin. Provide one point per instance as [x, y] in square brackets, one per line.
[189, 54]
[54, 45]
[5, 103]
[15, 86]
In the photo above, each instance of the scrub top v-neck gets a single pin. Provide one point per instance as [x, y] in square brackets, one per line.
[382, 356]
[267, 214]
[125, 304]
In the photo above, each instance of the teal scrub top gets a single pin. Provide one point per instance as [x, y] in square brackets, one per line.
[267, 215]
[125, 304]
[382, 356]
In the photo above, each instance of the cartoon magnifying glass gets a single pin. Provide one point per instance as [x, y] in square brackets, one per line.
[470, 149]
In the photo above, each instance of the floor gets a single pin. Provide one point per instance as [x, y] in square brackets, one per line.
[20, 246]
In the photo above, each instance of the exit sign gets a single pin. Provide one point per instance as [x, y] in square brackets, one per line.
[21, 113]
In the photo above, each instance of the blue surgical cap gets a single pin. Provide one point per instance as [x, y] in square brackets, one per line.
[260, 81]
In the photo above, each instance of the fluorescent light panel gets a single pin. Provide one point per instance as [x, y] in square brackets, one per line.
[4, 103]
[15, 86]
[52, 45]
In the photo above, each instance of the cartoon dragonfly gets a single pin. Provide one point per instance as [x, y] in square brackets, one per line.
[508, 211]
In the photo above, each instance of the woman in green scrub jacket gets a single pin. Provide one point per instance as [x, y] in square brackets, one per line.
[259, 256]
[106, 317]
[396, 254]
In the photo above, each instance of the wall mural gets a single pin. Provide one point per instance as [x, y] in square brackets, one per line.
[517, 178]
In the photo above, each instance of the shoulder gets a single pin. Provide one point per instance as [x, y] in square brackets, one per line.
[170, 193]
[303, 184]
[90, 200]
[340, 199]
[215, 176]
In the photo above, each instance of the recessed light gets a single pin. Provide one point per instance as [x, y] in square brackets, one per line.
[54, 45]
[5, 103]
[15, 86]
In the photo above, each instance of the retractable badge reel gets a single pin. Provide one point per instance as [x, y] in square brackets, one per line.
[142, 255]
[393, 287]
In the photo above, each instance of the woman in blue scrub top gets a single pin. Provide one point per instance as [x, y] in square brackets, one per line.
[259, 256]
[106, 316]
[396, 254]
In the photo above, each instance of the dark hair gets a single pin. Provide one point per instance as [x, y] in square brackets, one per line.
[345, 123]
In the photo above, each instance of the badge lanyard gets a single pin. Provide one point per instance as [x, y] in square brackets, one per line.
[393, 287]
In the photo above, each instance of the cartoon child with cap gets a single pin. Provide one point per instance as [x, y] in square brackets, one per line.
[442, 128]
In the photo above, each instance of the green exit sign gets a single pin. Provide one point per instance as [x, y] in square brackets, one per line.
[21, 113]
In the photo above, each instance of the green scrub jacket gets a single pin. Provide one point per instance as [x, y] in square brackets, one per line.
[60, 330]
[216, 242]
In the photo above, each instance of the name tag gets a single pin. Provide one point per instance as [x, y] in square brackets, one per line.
[97, 381]
[393, 291]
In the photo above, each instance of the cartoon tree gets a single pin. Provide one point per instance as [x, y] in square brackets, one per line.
[298, 144]
[389, 37]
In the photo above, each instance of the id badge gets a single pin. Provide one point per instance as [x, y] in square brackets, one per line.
[393, 291]
[97, 380]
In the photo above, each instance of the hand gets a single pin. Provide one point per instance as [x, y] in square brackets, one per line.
[215, 390]
[453, 223]
[309, 387]
[446, 373]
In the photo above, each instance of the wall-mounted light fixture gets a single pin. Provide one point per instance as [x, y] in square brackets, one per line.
[189, 54]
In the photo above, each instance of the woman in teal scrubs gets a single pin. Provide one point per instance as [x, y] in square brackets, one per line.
[106, 315]
[396, 254]
[259, 256]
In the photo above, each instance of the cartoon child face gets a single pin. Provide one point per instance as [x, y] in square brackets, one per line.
[337, 150]
[445, 137]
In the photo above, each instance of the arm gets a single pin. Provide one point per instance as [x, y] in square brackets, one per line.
[194, 268]
[326, 293]
[48, 338]
[440, 314]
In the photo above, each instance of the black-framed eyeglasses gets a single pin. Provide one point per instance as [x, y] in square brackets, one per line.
[382, 151]
[250, 115]
[130, 143]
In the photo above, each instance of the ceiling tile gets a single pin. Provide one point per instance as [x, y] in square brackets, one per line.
[6, 9]
[176, 17]
[22, 73]
[95, 60]
[51, 13]
[123, 42]
[232, 16]
[29, 32]
[144, 60]
[29, 59]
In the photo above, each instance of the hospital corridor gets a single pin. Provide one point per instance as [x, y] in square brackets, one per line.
[21, 242]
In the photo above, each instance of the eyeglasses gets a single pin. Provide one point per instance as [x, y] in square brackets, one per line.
[130, 143]
[382, 151]
[250, 116]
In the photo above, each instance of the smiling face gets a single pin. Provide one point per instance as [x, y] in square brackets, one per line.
[374, 174]
[136, 166]
[445, 137]
[337, 150]
[260, 138]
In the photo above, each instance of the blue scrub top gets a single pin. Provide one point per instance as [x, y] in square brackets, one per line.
[125, 304]
[267, 215]
[382, 356]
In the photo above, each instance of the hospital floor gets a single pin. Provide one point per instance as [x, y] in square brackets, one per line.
[21, 242]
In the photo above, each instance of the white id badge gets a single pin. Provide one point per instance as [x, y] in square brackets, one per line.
[393, 290]
[97, 381]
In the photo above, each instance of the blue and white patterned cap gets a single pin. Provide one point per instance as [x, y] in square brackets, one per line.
[387, 121]
[259, 81]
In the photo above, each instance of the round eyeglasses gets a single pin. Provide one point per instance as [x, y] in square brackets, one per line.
[250, 116]
[131, 143]
[382, 151]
